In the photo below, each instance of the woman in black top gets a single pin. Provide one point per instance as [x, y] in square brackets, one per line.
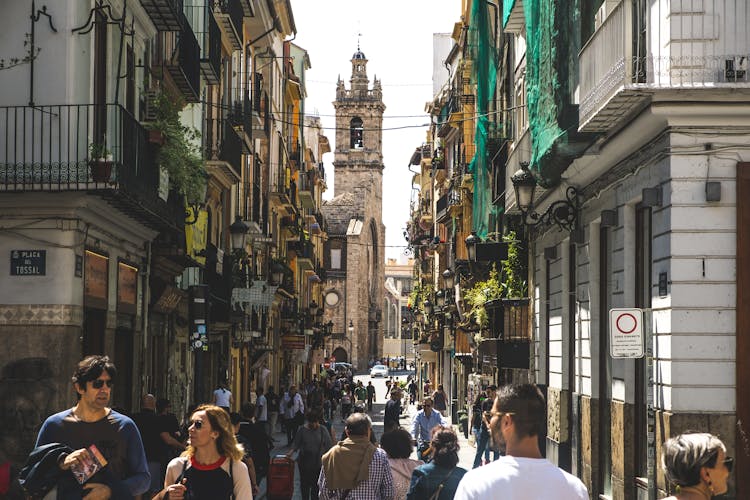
[312, 441]
[211, 467]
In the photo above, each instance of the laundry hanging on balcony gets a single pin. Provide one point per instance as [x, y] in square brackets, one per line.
[257, 298]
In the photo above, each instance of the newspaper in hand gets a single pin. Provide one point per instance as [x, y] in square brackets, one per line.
[90, 464]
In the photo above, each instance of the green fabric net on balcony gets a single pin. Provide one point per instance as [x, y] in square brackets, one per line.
[483, 55]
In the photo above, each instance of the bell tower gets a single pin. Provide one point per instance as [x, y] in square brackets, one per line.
[358, 158]
[356, 210]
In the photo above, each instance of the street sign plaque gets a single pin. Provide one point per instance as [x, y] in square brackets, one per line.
[626, 333]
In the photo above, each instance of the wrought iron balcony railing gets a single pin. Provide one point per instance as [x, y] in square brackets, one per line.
[82, 147]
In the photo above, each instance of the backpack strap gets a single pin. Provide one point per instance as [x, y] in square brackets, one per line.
[231, 477]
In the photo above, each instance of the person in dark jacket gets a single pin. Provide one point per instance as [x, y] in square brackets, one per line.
[392, 412]
[441, 475]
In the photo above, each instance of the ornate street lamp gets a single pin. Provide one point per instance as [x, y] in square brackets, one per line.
[563, 213]
[449, 279]
[238, 233]
[471, 245]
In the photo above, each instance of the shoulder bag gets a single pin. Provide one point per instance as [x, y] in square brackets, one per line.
[436, 494]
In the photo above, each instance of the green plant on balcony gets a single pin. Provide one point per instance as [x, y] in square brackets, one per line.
[482, 292]
[100, 161]
[180, 153]
[513, 282]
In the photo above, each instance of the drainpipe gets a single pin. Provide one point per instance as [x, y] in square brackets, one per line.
[144, 316]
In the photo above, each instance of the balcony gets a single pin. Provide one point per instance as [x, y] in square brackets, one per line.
[305, 253]
[224, 148]
[442, 214]
[209, 38]
[702, 49]
[229, 15]
[261, 110]
[306, 189]
[180, 59]
[165, 14]
[284, 191]
[46, 149]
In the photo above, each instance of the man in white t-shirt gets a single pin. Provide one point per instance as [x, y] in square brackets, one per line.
[261, 412]
[517, 420]
[223, 396]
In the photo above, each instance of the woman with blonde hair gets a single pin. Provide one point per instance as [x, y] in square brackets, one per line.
[211, 467]
[697, 464]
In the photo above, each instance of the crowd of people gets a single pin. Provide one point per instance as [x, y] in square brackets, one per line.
[96, 452]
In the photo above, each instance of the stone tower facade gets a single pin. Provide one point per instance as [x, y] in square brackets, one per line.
[355, 254]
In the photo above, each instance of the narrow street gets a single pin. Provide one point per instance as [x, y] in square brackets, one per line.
[466, 453]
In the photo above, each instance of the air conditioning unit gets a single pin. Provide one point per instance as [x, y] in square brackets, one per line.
[735, 69]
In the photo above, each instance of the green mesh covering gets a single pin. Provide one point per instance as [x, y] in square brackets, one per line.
[552, 44]
[484, 76]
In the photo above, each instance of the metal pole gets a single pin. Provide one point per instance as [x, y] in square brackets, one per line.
[650, 413]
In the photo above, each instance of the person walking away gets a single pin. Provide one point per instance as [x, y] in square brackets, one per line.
[397, 444]
[518, 418]
[697, 464]
[169, 433]
[424, 421]
[356, 469]
[438, 479]
[273, 410]
[482, 412]
[427, 388]
[236, 419]
[261, 411]
[412, 392]
[361, 393]
[312, 441]
[260, 443]
[346, 403]
[440, 399]
[392, 412]
[370, 395]
[293, 411]
[92, 422]
[223, 397]
[148, 425]
[211, 467]
[315, 396]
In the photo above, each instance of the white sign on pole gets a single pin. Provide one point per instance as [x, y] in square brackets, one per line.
[626, 333]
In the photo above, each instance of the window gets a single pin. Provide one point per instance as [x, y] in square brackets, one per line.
[335, 258]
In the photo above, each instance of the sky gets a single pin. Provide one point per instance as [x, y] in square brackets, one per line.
[396, 38]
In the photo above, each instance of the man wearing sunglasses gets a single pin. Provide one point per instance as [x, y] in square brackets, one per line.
[517, 419]
[424, 421]
[92, 422]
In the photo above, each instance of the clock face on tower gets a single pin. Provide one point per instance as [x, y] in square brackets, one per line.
[332, 299]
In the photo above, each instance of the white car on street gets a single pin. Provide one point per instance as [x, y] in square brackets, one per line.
[379, 371]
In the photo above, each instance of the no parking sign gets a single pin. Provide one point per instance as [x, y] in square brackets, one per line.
[626, 333]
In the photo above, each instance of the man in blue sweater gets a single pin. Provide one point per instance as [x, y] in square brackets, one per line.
[91, 421]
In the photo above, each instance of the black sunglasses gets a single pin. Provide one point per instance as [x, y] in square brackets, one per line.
[198, 424]
[99, 383]
[729, 463]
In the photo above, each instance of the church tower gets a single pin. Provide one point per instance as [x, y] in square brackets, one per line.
[355, 257]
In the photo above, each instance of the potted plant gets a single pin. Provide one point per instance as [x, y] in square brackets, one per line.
[179, 148]
[100, 162]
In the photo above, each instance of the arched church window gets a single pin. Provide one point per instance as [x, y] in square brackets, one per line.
[356, 130]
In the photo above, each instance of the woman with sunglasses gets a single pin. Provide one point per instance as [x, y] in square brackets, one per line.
[211, 467]
[696, 463]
